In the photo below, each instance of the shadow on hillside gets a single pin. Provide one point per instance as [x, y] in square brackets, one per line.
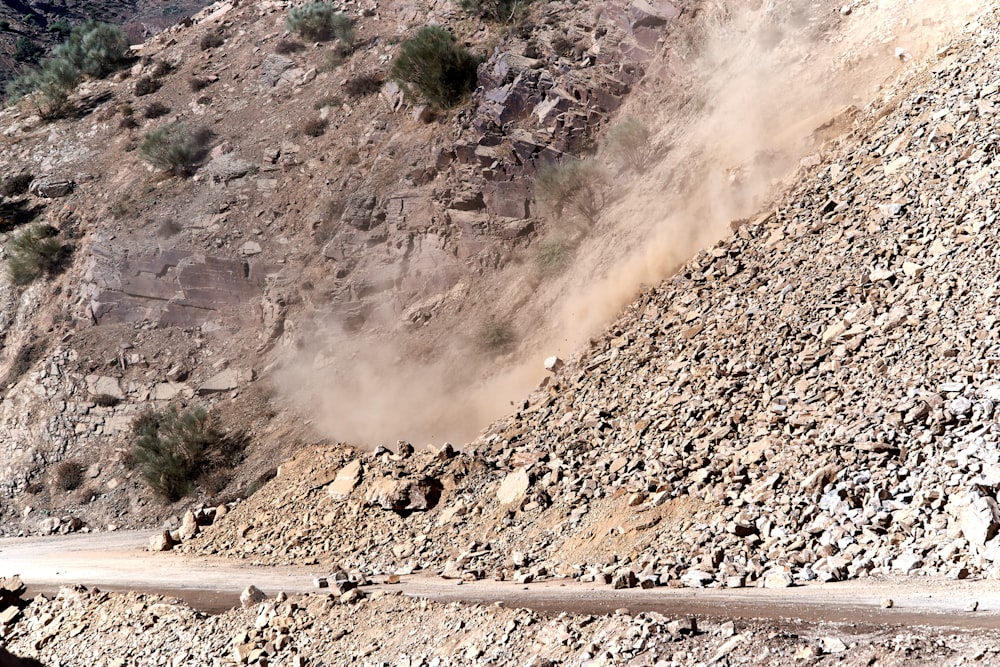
[14, 213]
[87, 104]
[11, 660]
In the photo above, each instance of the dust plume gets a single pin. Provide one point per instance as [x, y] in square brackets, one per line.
[767, 87]
[740, 96]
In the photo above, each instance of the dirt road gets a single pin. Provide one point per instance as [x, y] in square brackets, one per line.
[118, 561]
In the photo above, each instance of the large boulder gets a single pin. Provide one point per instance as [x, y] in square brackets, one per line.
[404, 495]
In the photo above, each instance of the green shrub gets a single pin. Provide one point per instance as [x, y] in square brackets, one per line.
[27, 51]
[630, 143]
[172, 449]
[47, 88]
[175, 148]
[95, 49]
[432, 65]
[68, 476]
[33, 253]
[573, 186]
[13, 186]
[320, 22]
[553, 256]
[61, 27]
[503, 11]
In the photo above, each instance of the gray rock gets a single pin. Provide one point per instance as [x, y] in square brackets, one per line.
[251, 597]
[51, 188]
[226, 380]
[272, 69]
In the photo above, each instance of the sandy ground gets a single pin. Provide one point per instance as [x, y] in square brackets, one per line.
[118, 561]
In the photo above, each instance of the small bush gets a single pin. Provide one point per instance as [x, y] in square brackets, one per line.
[494, 335]
[287, 46]
[197, 84]
[95, 49]
[146, 85]
[161, 69]
[211, 40]
[27, 51]
[320, 22]
[68, 476]
[432, 65]
[33, 253]
[175, 148]
[314, 127]
[47, 88]
[172, 449]
[61, 28]
[106, 400]
[156, 110]
[553, 256]
[22, 362]
[503, 11]
[630, 143]
[16, 185]
[362, 85]
[573, 186]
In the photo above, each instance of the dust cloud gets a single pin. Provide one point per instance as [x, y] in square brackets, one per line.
[766, 86]
[741, 95]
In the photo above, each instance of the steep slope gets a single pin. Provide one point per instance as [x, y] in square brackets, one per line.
[333, 226]
[813, 397]
[32, 28]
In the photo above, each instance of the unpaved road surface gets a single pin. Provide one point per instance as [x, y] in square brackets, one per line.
[118, 561]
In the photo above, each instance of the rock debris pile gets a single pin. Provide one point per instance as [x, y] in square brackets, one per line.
[813, 398]
[89, 627]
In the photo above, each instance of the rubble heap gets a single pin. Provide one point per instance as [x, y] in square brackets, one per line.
[89, 627]
[813, 398]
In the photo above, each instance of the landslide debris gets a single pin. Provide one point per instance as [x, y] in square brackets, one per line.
[813, 398]
[89, 627]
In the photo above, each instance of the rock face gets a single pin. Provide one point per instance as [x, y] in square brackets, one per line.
[172, 288]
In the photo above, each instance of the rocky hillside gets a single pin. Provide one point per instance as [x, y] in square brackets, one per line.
[811, 398]
[31, 28]
[349, 236]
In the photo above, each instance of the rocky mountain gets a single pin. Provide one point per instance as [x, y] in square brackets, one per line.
[811, 398]
[31, 28]
[771, 312]
[352, 228]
